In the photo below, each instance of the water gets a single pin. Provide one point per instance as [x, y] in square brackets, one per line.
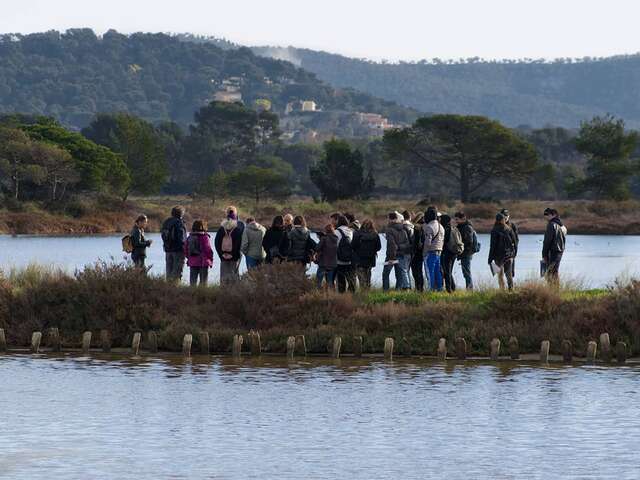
[592, 260]
[114, 418]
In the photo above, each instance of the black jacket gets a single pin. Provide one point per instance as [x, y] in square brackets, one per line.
[514, 229]
[366, 246]
[466, 232]
[300, 245]
[554, 238]
[275, 244]
[138, 242]
[176, 235]
[503, 244]
[236, 228]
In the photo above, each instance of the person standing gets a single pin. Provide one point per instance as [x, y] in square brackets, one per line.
[471, 246]
[452, 247]
[417, 261]
[274, 241]
[327, 257]
[516, 235]
[199, 253]
[227, 243]
[300, 245]
[553, 245]
[139, 243]
[398, 253]
[288, 222]
[174, 234]
[502, 251]
[366, 245]
[251, 247]
[345, 271]
[433, 243]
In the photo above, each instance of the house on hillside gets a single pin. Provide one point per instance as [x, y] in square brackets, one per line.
[308, 106]
[228, 97]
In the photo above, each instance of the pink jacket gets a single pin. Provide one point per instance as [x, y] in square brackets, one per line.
[205, 259]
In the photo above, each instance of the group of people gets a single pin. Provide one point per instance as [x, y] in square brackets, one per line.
[423, 247]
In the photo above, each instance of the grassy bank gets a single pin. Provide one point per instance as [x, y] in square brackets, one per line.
[279, 302]
[93, 216]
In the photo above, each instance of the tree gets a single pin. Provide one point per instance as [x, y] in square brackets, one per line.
[608, 149]
[259, 183]
[215, 186]
[15, 156]
[340, 173]
[471, 150]
[56, 167]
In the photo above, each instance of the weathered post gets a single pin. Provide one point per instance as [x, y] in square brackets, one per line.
[388, 348]
[291, 346]
[544, 351]
[621, 352]
[54, 339]
[567, 351]
[86, 342]
[301, 345]
[135, 343]
[461, 348]
[152, 340]
[256, 346]
[442, 349]
[3, 341]
[357, 346]
[605, 347]
[36, 338]
[337, 345]
[514, 348]
[105, 340]
[495, 349]
[236, 348]
[186, 344]
[592, 349]
[203, 339]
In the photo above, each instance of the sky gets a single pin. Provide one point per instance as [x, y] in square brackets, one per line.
[375, 29]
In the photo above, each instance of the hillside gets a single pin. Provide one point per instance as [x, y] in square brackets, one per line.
[534, 93]
[73, 75]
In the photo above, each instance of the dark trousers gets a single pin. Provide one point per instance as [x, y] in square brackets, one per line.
[364, 277]
[138, 260]
[346, 277]
[553, 267]
[465, 263]
[174, 265]
[417, 266]
[196, 273]
[447, 261]
[506, 270]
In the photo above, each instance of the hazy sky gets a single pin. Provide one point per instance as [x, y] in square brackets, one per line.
[391, 29]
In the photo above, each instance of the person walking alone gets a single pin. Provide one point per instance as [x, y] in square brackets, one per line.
[502, 251]
[432, 249]
[139, 243]
[251, 247]
[174, 234]
[471, 246]
[553, 245]
[199, 253]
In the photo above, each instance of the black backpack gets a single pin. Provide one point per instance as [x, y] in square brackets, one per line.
[345, 250]
[368, 245]
[193, 245]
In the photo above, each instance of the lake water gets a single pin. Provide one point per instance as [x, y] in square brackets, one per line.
[109, 417]
[591, 260]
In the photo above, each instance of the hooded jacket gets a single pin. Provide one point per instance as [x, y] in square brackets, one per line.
[398, 240]
[554, 238]
[433, 237]
[236, 228]
[347, 232]
[466, 232]
[327, 251]
[300, 244]
[252, 238]
[205, 258]
[503, 244]
[177, 233]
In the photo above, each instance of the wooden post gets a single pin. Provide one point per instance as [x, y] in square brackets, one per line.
[461, 348]
[621, 352]
[592, 349]
[256, 346]
[3, 341]
[152, 339]
[237, 345]
[514, 348]
[105, 340]
[135, 343]
[36, 338]
[203, 339]
[388, 348]
[54, 339]
[567, 351]
[357, 346]
[337, 345]
[544, 351]
[186, 344]
[291, 346]
[495, 349]
[442, 349]
[301, 345]
[86, 342]
[605, 347]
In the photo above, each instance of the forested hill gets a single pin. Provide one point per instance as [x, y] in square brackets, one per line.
[515, 92]
[73, 75]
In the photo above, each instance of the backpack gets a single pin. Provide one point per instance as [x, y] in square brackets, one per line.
[476, 244]
[193, 246]
[168, 236]
[127, 244]
[455, 244]
[227, 245]
[345, 250]
[368, 246]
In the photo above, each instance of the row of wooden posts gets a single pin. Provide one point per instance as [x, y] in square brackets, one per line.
[296, 345]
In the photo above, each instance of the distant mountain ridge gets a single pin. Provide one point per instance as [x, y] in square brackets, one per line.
[535, 93]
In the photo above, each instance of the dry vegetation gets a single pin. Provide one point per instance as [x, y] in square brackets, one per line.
[280, 301]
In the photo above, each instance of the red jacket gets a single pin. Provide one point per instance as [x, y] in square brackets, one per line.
[205, 258]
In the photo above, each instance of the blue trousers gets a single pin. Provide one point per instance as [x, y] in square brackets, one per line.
[432, 266]
[465, 263]
[401, 270]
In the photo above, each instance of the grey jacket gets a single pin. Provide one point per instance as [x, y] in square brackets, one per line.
[433, 237]
[252, 237]
[398, 241]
